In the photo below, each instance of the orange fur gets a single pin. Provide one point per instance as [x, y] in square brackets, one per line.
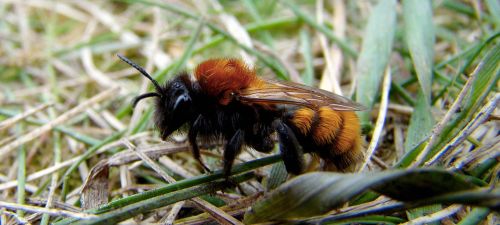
[329, 123]
[302, 119]
[348, 138]
[221, 77]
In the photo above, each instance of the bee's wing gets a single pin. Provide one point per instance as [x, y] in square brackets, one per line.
[280, 92]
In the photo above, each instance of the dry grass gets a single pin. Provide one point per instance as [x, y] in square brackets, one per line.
[66, 118]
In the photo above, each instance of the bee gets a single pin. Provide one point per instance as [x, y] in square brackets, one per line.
[227, 101]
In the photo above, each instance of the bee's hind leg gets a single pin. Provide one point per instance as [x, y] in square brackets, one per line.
[231, 150]
[291, 150]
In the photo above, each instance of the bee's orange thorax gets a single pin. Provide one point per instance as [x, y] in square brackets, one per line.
[221, 77]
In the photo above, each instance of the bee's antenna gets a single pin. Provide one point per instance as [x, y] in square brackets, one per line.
[143, 72]
[147, 95]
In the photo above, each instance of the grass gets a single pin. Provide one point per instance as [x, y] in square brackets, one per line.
[427, 71]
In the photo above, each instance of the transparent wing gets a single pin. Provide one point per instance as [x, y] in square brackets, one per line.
[280, 92]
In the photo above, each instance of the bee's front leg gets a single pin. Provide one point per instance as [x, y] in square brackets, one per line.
[193, 133]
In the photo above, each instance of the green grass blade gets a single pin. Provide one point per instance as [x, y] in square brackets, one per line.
[21, 173]
[307, 54]
[179, 185]
[317, 193]
[420, 38]
[476, 216]
[486, 77]
[374, 56]
[321, 28]
[494, 8]
[132, 210]
[421, 123]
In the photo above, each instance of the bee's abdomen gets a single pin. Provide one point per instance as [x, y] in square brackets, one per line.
[333, 135]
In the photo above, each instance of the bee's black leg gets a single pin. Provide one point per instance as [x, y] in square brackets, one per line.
[231, 150]
[193, 133]
[291, 150]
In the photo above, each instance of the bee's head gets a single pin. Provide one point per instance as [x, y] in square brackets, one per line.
[174, 105]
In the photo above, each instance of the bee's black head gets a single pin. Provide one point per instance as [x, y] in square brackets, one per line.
[175, 107]
[174, 104]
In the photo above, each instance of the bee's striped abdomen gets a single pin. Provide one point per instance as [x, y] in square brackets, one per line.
[333, 135]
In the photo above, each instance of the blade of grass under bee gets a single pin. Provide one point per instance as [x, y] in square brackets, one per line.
[182, 184]
[420, 38]
[179, 185]
[375, 219]
[464, 198]
[317, 193]
[374, 56]
[149, 204]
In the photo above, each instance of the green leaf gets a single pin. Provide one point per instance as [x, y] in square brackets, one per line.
[420, 38]
[375, 53]
[421, 123]
[317, 193]
[147, 205]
